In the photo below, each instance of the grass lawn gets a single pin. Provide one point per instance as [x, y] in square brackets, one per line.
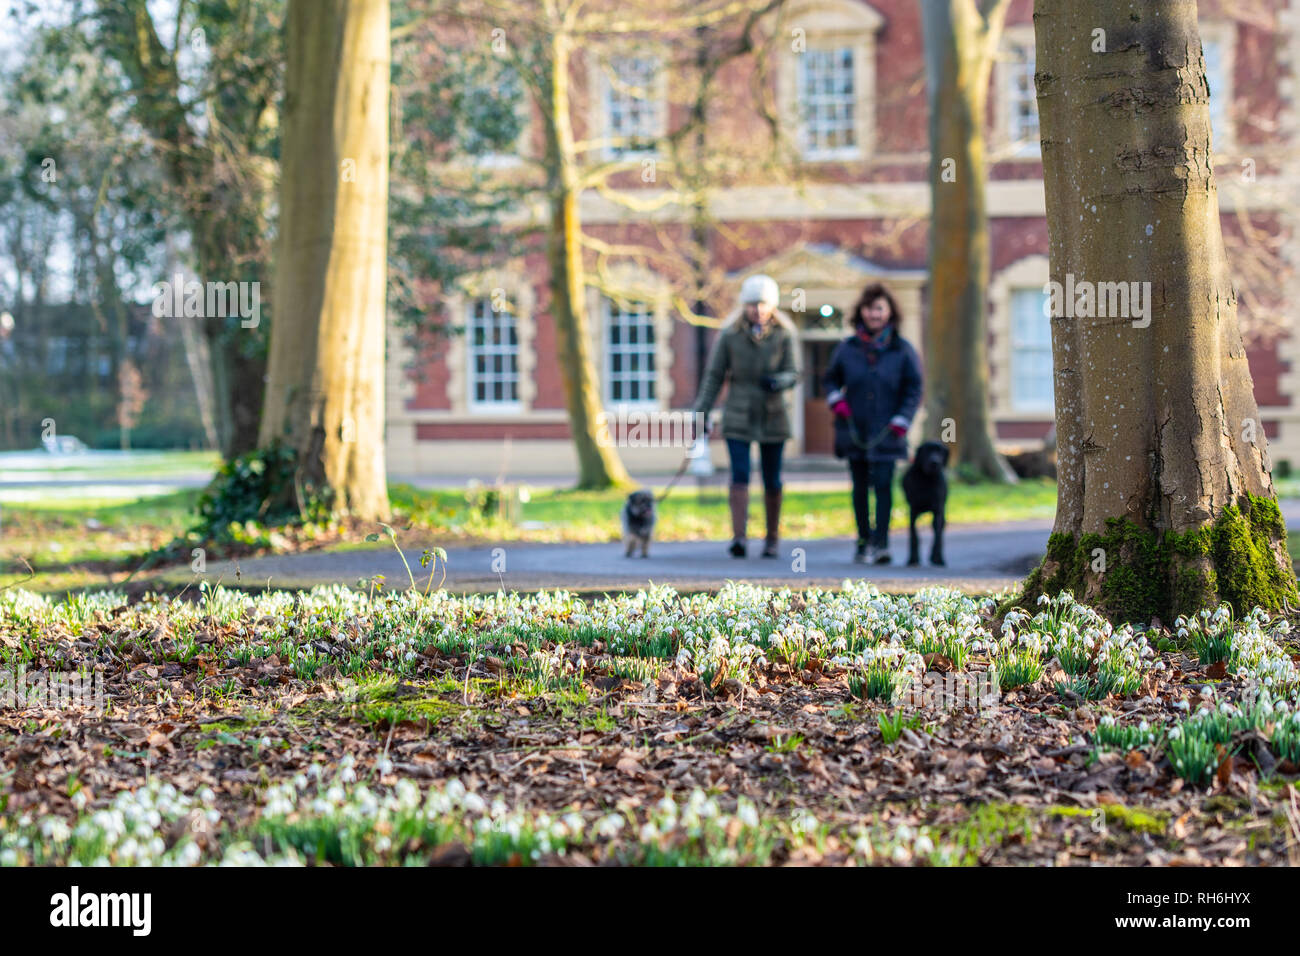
[107, 465]
[60, 530]
[688, 514]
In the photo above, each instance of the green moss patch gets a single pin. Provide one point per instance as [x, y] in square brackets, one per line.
[1238, 560]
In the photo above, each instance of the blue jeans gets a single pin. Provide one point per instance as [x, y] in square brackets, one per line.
[876, 476]
[769, 455]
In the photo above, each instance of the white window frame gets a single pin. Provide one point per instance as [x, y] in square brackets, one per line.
[833, 52]
[1017, 348]
[823, 25]
[1222, 36]
[645, 316]
[1016, 83]
[509, 351]
[618, 93]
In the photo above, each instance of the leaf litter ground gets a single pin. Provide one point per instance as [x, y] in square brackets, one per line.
[734, 728]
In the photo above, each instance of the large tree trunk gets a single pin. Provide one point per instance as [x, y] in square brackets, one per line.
[325, 395]
[1165, 499]
[599, 465]
[959, 46]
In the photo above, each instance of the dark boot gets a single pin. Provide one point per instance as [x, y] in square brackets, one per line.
[772, 507]
[738, 498]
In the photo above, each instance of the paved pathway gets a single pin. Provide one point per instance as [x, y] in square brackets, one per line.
[984, 557]
[981, 557]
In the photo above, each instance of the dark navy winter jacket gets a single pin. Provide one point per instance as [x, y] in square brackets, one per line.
[882, 387]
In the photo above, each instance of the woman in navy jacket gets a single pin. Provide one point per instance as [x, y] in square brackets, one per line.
[873, 386]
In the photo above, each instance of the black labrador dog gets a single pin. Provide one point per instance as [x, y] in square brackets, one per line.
[926, 488]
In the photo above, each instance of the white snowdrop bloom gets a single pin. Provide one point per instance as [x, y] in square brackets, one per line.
[609, 825]
[474, 803]
[747, 813]
[924, 844]
[455, 789]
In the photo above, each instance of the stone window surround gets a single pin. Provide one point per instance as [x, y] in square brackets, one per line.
[1001, 146]
[518, 289]
[598, 85]
[1031, 272]
[832, 23]
[640, 285]
[1222, 32]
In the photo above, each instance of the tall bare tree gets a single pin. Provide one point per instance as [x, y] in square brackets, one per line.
[961, 40]
[1165, 500]
[325, 394]
[547, 43]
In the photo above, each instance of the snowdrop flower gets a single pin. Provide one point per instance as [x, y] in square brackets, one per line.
[747, 813]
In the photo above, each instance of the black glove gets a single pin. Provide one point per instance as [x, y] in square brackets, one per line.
[769, 383]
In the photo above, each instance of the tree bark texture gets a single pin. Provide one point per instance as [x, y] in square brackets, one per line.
[325, 395]
[1165, 500]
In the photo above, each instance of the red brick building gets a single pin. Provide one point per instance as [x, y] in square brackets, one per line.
[852, 93]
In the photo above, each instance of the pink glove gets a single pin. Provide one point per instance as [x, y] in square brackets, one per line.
[898, 430]
[841, 408]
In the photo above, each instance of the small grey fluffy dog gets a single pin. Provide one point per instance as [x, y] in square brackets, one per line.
[638, 522]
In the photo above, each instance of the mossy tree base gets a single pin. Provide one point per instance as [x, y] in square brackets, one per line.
[1132, 573]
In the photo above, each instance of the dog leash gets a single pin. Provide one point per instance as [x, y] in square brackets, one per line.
[681, 470]
[853, 436]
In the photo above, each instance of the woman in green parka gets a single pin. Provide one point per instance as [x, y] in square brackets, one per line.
[755, 356]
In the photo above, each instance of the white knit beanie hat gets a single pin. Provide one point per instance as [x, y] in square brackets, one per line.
[760, 288]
